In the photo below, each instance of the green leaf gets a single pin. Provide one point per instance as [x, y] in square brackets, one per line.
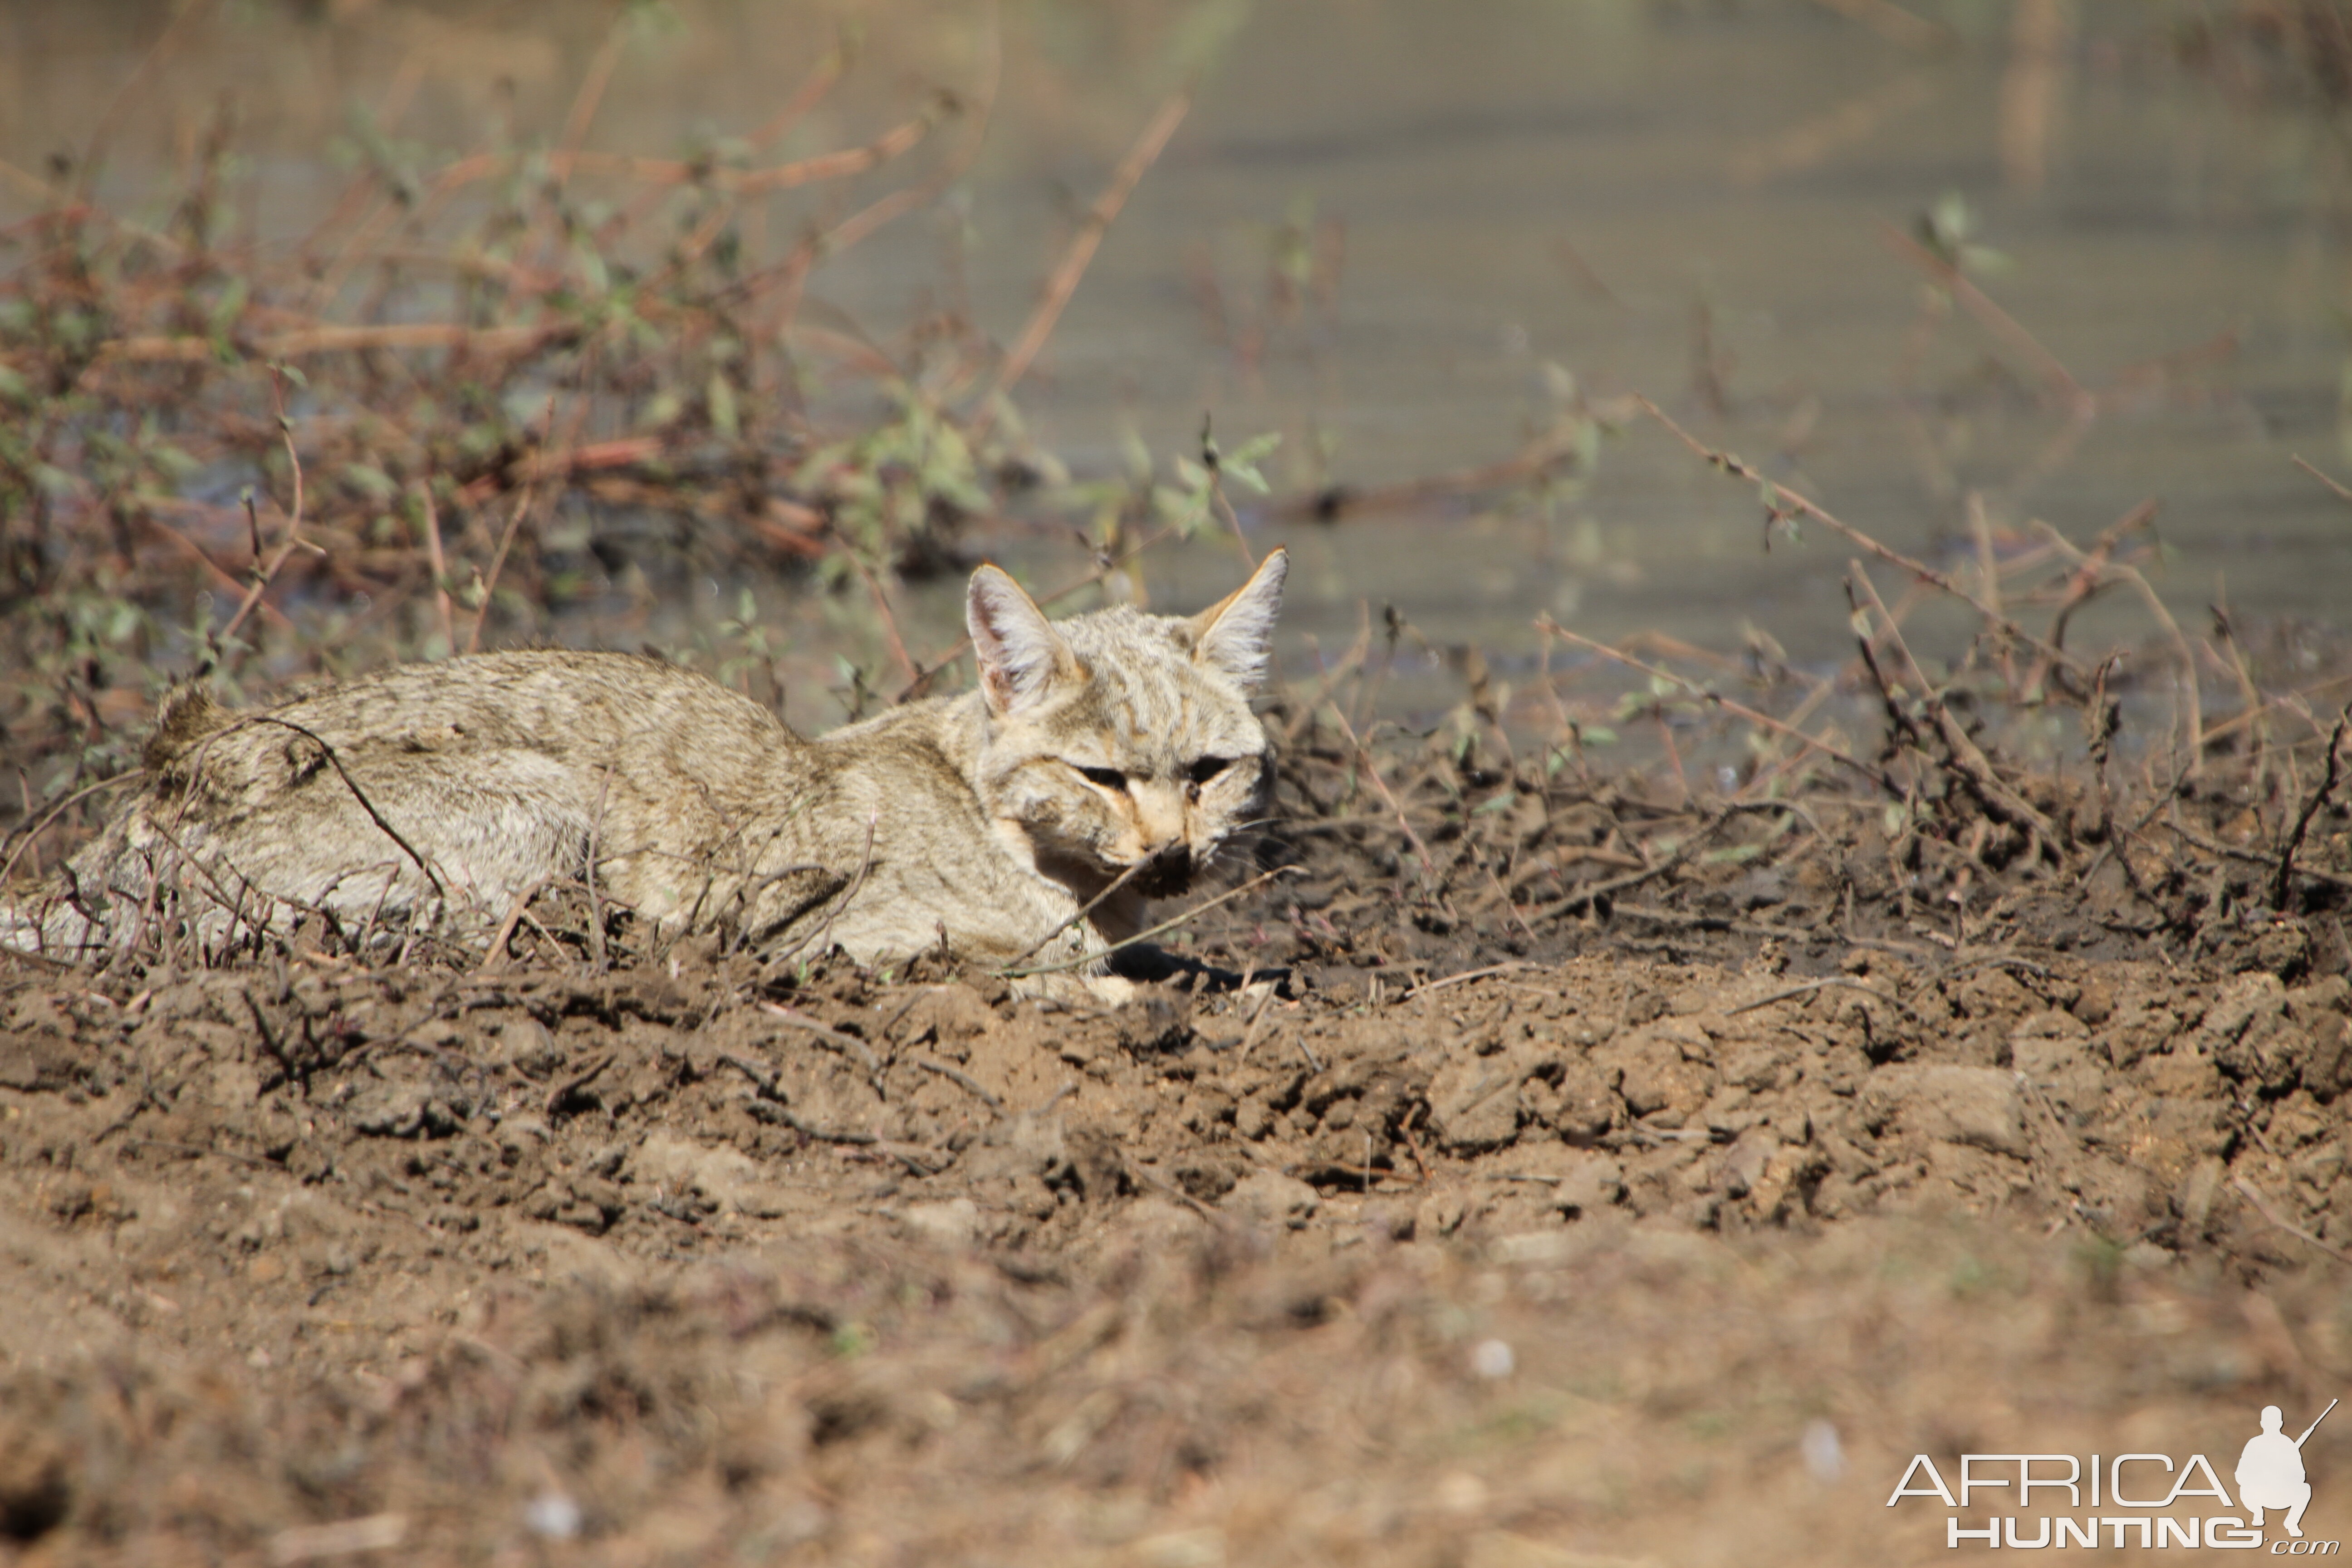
[369, 482]
[1984, 259]
[171, 462]
[1186, 511]
[1137, 458]
[1247, 474]
[721, 396]
[1587, 445]
[1256, 449]
[227, 308]
[1950, 222]
[593, 271]
[661, 410]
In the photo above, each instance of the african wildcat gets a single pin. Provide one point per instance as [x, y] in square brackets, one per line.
[1109, 744]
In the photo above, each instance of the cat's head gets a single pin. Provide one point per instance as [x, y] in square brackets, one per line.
[1120, 741]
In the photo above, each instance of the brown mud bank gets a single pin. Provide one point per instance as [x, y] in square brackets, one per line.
[1423, 1213]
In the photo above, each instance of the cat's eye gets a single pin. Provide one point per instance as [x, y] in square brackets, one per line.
[1109, 778]
[1208, 768]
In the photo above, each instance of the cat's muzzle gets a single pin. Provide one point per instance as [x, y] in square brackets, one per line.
[1169, 871]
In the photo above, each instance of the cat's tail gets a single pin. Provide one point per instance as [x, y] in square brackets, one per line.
[90, 905]
[47, 921]
[116, 895]
[65, 916]
[85, 907]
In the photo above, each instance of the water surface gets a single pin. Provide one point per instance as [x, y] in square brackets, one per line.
[1482, 210]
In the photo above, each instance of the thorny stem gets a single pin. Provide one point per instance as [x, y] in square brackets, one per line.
[2261, 1206]
[1186, 918]
[1793, 501]
[890, 617]
[1682, 852]
[822, 938]
[596, 900]
[431, 877]
[1373, 772]
[847, 1045]
[1081, 252]
[25, 836]
[1878, 776]
[2284, 884]
[2192, 705]
[1121, 881]
[2076, 400]
[294, 539]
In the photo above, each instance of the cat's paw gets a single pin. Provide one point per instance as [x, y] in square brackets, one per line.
[1078, 993]
[1113, 991]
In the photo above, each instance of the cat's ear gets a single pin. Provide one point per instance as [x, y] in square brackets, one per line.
[1020, 654]
[1232, 635]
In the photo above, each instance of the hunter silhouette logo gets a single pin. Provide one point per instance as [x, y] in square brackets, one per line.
[2270, 1472]
[2143, 1499]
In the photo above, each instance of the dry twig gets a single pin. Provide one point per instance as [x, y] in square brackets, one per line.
[1083, 245]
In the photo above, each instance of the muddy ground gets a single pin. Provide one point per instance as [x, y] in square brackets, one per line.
[1583, 1173]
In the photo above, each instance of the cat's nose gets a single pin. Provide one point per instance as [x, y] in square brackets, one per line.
[1170, 865]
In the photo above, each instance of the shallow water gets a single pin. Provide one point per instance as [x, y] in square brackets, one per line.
[1687, 201]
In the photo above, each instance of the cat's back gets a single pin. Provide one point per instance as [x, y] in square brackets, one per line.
[555, 701]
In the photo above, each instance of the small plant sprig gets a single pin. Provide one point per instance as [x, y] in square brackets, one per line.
[1197, 492]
